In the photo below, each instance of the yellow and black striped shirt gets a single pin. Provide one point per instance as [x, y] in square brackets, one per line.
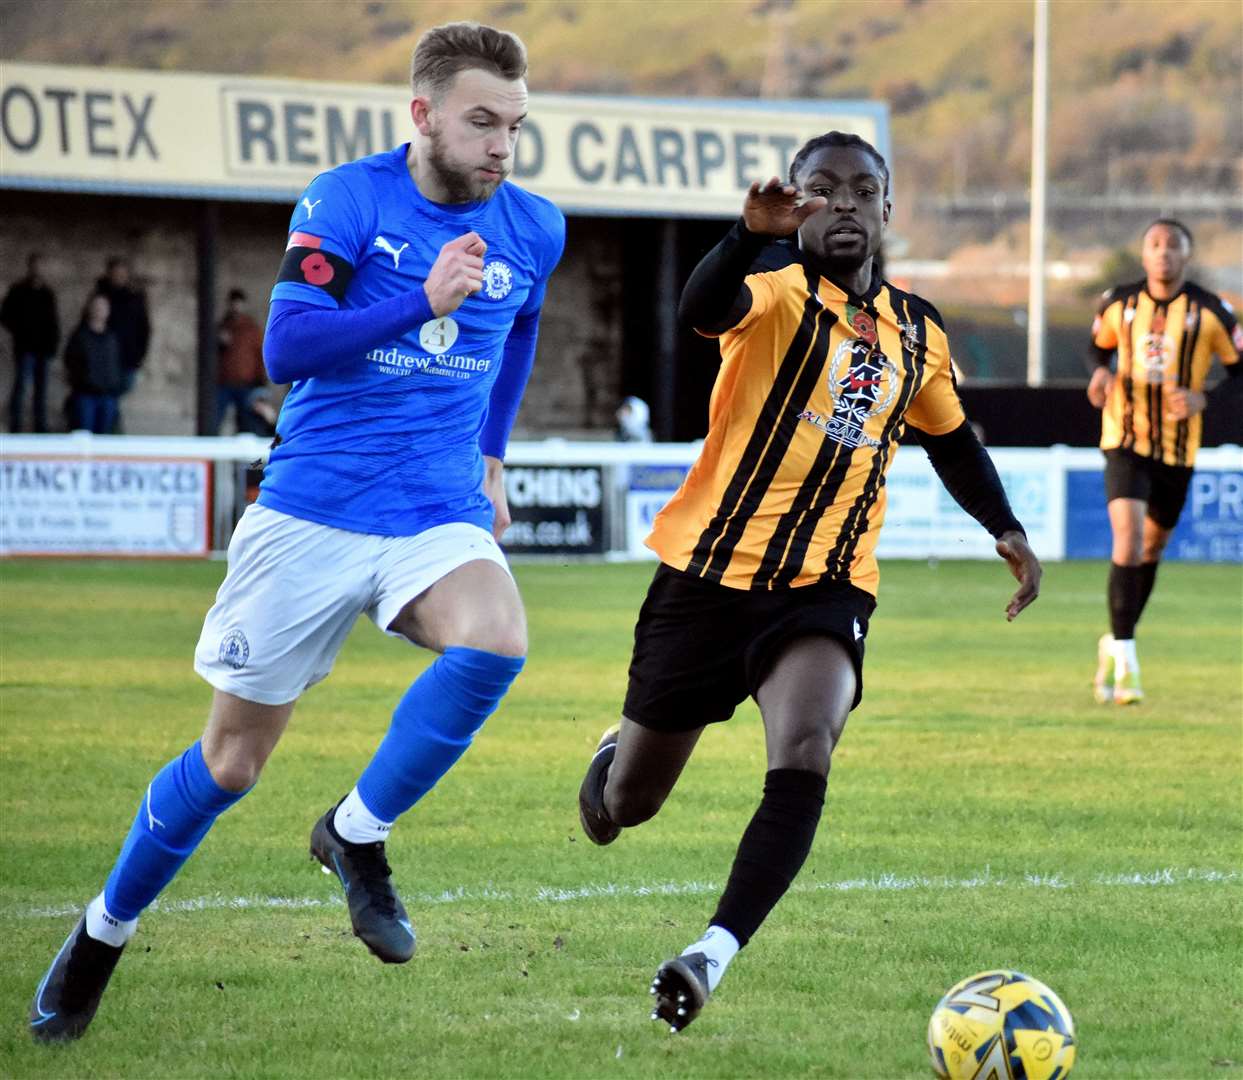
[814, 391]
[1160, 343]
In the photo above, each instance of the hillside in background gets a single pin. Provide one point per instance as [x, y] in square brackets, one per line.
[1145, 97]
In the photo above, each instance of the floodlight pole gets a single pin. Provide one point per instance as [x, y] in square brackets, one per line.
[1040, 133]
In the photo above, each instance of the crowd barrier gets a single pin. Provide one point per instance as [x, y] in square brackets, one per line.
[87, 495]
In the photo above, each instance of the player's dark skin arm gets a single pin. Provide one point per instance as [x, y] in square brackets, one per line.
[969, 475]
[716, 296]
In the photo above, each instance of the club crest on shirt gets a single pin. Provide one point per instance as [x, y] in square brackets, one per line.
[498, 280]
[863, 382]
[1157, 351]
[234, 649]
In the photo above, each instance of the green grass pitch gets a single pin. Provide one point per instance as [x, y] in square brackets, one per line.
[982, 812]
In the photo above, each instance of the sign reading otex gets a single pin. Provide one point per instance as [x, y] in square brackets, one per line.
[1209, 530]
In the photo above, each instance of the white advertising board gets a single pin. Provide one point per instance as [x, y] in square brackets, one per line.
[104, 506]
[922, 520]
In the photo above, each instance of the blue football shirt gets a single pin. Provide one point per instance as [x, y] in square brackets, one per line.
[388, 442]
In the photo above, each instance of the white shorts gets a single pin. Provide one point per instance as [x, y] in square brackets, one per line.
[295, 588]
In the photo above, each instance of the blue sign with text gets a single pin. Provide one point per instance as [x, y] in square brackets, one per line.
[1209, 530]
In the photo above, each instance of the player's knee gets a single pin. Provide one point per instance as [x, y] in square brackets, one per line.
[808, 748]
[632, 804]
[505, 637]
[233, 767]
[1126, 548]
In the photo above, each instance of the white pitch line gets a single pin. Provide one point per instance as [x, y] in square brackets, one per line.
[549, 894]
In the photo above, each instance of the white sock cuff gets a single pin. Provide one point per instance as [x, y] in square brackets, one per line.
[355, 824]
[104, 927]
[720, 947]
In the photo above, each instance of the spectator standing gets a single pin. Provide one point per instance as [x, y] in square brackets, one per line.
[96, 373]
[129, 320]
[29, 314]
[240, 367]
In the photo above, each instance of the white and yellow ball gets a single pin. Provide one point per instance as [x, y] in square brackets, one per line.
[1001, 1025]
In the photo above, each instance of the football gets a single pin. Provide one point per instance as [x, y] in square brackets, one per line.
[1001, 1025]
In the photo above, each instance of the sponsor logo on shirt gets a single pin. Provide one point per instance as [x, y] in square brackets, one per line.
[438, 335]
[392, 361]
[862, 382]
[384, 245]
[1158, 353]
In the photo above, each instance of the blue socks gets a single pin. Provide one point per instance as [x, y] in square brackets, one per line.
[432, 727]
[179, 807]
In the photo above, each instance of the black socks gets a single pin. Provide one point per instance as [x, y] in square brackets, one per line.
[772, 851]
[1125, 587]
[1129, 589]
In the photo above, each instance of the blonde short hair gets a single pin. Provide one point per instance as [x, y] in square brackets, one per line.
[443, 51]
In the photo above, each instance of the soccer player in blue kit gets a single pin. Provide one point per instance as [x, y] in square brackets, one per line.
[405, 315]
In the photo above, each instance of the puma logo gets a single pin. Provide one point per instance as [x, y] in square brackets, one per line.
[310, 207]
[152, 820]
[384, 245]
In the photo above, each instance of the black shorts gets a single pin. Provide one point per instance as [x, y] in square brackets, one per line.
[1163, 487]
[700, 649]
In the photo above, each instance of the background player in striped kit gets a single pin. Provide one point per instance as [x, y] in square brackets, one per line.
[769, 574]
[1164, 331]
[405, 315]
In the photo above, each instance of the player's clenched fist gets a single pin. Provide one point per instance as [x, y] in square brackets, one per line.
[777, 209]
[456, 273]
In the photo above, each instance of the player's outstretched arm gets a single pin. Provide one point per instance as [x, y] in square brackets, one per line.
[716, 297]
[777, 209]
